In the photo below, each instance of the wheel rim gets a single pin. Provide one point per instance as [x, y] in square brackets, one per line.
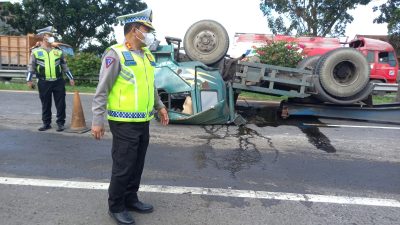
[206, 42]
[344, 73]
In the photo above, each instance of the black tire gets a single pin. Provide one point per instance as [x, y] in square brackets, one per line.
[343, 72]
[206, 41]
[308, 63]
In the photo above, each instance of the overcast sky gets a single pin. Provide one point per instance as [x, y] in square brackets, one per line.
[174, 17]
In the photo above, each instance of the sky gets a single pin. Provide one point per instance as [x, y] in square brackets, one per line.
[174, 17]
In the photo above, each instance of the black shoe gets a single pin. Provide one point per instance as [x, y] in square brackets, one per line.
[123, 217]
[140, 207]
[44, 127]
[60, 128]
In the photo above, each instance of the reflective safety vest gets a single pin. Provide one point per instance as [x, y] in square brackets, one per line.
[131, 98]
[48, 65]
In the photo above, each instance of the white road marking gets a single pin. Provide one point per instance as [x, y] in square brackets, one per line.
[351, 126]
[345, 200]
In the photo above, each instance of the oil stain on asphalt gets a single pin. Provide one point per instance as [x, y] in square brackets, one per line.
[269, 116]
[247, 153]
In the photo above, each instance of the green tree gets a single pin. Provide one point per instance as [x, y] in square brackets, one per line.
[6, 29]
[309, 17]
[84, 66]
[390, 14]
[280, 53]
[82, 24]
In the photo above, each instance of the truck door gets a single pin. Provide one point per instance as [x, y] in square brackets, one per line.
[386, 67]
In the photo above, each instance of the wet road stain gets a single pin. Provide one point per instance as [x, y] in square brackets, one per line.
[243, 157]
[318, 139]
[236, 159]
[247, 153]
[269, 116]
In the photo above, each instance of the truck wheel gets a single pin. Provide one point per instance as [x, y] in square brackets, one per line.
[206, 41]
[343, 72]
[308, 63]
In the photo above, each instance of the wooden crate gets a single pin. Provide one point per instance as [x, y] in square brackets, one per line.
[14, 50]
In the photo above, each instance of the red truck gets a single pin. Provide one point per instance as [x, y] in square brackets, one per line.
[380, 55]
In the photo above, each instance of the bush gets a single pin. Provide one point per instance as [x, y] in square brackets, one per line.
[280, 53]
[85, 67]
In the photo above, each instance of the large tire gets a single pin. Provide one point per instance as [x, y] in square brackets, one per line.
[308, 63]
[206, 41]
[343, 72]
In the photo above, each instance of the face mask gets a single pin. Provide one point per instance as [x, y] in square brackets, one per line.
[148, 38]
[50, 39]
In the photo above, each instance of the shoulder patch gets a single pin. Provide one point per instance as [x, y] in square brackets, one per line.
[109, 61]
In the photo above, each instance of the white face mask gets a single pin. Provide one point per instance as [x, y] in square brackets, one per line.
[50, 39]
[148, 38]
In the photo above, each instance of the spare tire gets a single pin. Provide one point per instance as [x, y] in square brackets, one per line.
[206, 41]
[308, 63]
[343, 72]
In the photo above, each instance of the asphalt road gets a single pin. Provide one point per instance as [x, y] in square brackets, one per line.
[268, 155]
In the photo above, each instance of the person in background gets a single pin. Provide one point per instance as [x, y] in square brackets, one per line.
[48, 64]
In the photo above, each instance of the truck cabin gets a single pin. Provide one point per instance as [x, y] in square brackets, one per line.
[381, 57]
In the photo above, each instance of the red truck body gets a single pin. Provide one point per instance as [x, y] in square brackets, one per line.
[380, 55]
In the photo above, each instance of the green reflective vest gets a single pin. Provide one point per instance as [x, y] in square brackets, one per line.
[48, 63]
[131, 98]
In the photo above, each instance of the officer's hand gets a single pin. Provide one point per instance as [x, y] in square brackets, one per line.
[72, 82]
[30, 85]
[163, 114]
[98, 132]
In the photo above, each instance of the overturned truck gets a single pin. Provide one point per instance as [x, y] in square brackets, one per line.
[201, 85]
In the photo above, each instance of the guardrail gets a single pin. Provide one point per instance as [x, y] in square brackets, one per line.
[386, 87]
[13, 73]
[22, 74]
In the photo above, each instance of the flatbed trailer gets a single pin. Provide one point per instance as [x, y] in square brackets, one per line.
[387, 113]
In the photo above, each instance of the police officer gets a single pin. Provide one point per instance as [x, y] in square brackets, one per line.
[126, 90]
[48, 63]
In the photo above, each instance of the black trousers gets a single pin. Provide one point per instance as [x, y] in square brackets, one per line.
[129, 146]
[57, 90]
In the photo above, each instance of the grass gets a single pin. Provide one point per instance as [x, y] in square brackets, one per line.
[260, 97]
[24, 87]
[384, 99]
[243, 95]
